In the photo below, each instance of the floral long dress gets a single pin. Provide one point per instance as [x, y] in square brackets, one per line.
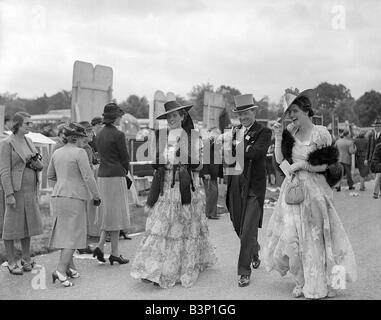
[308, 239]
[175, 247]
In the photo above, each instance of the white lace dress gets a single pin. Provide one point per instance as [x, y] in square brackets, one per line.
[308, 240]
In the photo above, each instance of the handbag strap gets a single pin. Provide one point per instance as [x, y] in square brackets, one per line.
[30, 148]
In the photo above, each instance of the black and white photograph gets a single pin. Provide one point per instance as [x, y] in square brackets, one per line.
[190, 155]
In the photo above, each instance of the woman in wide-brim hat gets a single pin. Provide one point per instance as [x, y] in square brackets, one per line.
[175, 247]
[70, 172]
[306, 237]
[114, 212]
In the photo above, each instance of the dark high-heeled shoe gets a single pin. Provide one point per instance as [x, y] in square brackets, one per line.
[99, 254]
[64, 281]
[119, 259]
[123, 234]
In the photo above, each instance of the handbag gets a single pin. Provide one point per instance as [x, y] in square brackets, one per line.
[35, 161]
[294, 193]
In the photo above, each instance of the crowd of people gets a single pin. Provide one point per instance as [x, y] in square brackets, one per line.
[89, 172]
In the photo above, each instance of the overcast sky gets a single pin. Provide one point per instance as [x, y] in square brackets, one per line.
[258, 47]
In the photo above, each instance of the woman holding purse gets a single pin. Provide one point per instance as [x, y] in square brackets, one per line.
[19, 210]
[305, 235]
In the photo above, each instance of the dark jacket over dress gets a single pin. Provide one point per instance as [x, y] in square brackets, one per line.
[184, 170]
[113, 213]
[111, 145]
[253, 179]
[372, 142]
[215, 170]
[375, 164]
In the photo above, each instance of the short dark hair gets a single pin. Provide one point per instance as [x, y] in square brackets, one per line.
[18, 120]
[69, 139]
[305, 105]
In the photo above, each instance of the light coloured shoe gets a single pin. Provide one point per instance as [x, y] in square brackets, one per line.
[297, 292]
[331, 293]
[71, 273]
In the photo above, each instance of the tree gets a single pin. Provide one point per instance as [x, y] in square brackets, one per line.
[229, 93]
[138, 107]
[327, 98]
[344, 110]
[197, 98]
[368, 108]
[263, 110]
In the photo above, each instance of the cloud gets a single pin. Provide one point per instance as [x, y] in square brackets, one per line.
[172, 45]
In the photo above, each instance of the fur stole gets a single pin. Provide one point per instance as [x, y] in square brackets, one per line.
[328, 155]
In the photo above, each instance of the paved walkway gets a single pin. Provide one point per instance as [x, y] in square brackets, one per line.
[361, 217]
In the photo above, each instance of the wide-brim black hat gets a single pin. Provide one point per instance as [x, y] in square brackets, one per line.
[172, 106]
[74, 129]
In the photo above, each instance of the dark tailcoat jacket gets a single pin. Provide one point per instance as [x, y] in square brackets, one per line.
[372, 142]
[253, 179]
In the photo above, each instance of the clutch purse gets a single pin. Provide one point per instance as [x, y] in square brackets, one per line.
[294, 193]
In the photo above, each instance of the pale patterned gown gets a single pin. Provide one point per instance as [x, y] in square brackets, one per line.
[308, 239]
[175, 247]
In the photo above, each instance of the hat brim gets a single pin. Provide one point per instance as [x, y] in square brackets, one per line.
[164, 115]
[309, 93]
[242, 110]
[76, 134]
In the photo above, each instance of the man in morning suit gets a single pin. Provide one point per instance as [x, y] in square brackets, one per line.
[246, 191]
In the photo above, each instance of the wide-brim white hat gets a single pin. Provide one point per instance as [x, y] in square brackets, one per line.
[289, 98]
[244, 102]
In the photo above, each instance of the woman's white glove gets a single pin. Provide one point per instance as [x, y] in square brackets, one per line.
[298, 166]
[278, 130]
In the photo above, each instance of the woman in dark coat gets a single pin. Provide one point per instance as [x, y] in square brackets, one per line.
[114, 165]
[361, 143]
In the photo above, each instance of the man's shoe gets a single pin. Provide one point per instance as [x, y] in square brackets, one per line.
[352, 188]
[213, 218]
[256, 262]
[244, 281]
[338, 189]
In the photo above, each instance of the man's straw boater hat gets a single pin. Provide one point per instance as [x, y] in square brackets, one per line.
[171, 106]
[292, 94]
[244, 102]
